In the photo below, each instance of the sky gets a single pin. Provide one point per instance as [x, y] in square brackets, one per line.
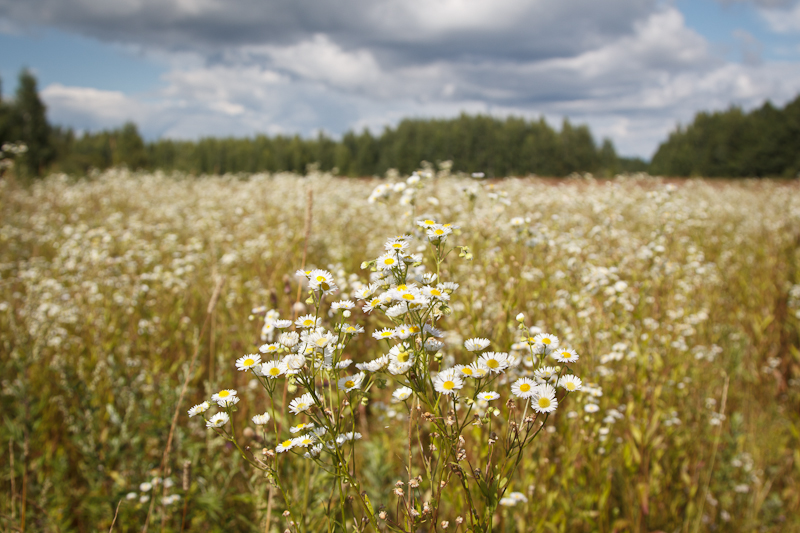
[630, 69]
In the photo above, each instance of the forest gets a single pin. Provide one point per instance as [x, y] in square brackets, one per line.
[731, 143]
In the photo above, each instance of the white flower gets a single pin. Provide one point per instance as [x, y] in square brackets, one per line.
[545, 373]
[227, 402]
[438, 233]
[520, 317]
[294, 361]
[272, 348]
[433, 345]
[301, 403]
[387, 261]
[301, 427]
[199, 408]
[261, 420]
[321, 280]
[566, 356]
[385, 333]
[476, 345]
[349, 383]
[305, 441]
[342, 304]
[426, 223]
[591, 408]
[223, 395]
[319, 339]
[570, 382]
[550, 342]
[247, 362]
[271, 369]
[524, 388]
[307, 321]
[351, 330]
[375, 365]
[544, 400]
[488, 395]
[289, 339]
[445, 384]
[144, 487]
[496, 362]
[285, 446]
[282, 324]
[313, 451]
[218, 420]
[403, 393]
[131, 495]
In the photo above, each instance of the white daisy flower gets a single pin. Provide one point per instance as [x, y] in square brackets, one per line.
[351, 329]
[307, 321]
[396, 245]
[349, 383]
[425, 224]
[438, 233]
[464, 371]
[591, 408]
[289, 339]
[261, 420]
[218, 420]
[344, 363]
[488, 395]
[496, 362]
[397, 369]
[247, 362]
[271, 348]
[304, 441]
[145, 487]
[524, 388]
[223, 394]
[433, 345]
[544, 400]
[445, 384]
[320, 339]
[342, 304]
[432, 331]
[436, 293]
[550, 342]
[387, 261]
[301, 427]
[570, 382]
[285, 446]
[448, 287]
[545, 373]
[372, 304]
[301, 404]
[479, 370]
[294, 362]
[321, 280]
[271, 369]
[282, 324]
[403, 393]
[199, 408]
[566, 356]
[313, 451]
[228, 402]
[385, 333]
[476, 344]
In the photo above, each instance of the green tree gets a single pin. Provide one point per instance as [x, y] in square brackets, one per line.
[29, 125]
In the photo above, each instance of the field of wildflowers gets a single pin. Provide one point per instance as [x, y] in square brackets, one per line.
[424, 353]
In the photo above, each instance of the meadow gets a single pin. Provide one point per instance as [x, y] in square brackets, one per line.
[682, 299]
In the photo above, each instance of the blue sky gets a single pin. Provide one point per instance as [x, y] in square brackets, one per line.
[631, 69]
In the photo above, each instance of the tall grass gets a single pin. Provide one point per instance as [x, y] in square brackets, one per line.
[669, 293]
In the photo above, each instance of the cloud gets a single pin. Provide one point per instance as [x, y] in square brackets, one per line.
[785, 20]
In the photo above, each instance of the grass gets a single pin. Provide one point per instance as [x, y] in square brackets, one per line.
[671, 293]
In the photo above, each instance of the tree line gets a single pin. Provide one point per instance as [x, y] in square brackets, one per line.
[732, 143]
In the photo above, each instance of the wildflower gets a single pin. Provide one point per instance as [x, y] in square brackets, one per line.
[476, 345]
[403, 393]
[385, 333]
[301, 427]
[524, 388]
[445, 384]
[304, 441]
[550, 342]
[488, 395]
[352, 330]
[521, 317]
[342, 304]
[294, 362]
[496, 362]
[199, 408]
[433, 345]
[544, 400]
[396, 244]
[131, 496]
[145, 487]
[228, 402]
[464, 371]
[247, 362]
[349, 383]
[570, 382]
[434, 292]
[566, 356]
[307, 321]
[261, 420]
[285, 446]
[301, 403]
[313, 451]
[289, 339]
[282, 324]
[223, 395]
[425, 224]
[448, 287]
[319, 339]
[545, 373]
[271, 369]
[375, 365]
[591, 408]
[271, 348]
[218, 420]
[438, 233]
[387, 261]
[322, 280]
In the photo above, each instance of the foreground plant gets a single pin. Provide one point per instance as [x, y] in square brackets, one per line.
[456, 439]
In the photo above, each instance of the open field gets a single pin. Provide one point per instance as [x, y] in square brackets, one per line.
[683, 302]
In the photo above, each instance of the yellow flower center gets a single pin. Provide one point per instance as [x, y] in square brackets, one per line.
[249, 362]
[401, 287]
[436, 292]
[429, 222]
[413, 329]
[402, 357]
[467, 371]
[387, 334]
[448, 385]
[570, 386]
[397, 245]
[350, 329]
[544, 403]
[524, 387]
[546, 341]
[408, 297]
[375, 301]
[492, 363]
[301, 406]
[308, 322]
[274, 371]
[349, 383]
[224, 394]
[388, 261]
[322, 342]
[320, 278]
[439, 232]
[286, 443]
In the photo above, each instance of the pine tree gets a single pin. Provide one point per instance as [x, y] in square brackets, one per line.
[29, 125]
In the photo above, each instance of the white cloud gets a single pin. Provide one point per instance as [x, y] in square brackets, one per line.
[785, 20]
